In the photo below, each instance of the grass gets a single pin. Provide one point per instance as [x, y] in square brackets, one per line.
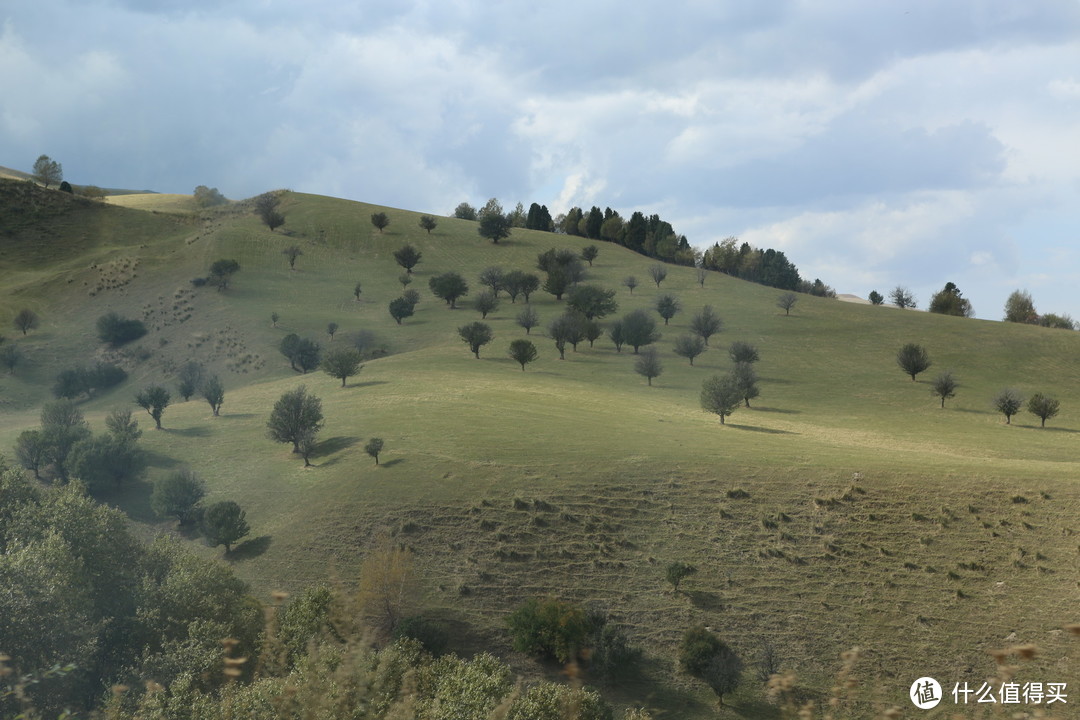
[576, 478]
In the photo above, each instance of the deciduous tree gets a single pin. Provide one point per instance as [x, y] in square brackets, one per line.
[743, 352]
[706, 323]
[373, 447]
[676, 572]
[944, 386]
[689, 347]
[214, 393]
[949, 301]
[630, 282]
[25, 320]
[401, 308]
[523, 352]
[407, 257]
[342, 363]
[291, 253]
[177, 495]
[224, 523]
[465, 211]
[485, 303]
[639, 329]
[428, 223]
[449, 287]
[876, 298]
[266, 207]
[494, 225]
[592, 301]
[221, 273]
[10, 356]
[380, 220]
[1043, 407]
[786, 301]
[528, 318]
[589, 253]
[902, 297]
[913, 359]
[667, 305]
[657, 272]
[1020, 308]
[746, 381]
[720, 394]
[154, 399]
[493, 277]
[47, 171]
[476, 335]
[648, 364]
[1008, 402]
[296, 414]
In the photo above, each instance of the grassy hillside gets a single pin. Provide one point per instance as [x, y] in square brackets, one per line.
[575, 478]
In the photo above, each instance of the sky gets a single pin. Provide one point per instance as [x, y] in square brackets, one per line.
[895, 142]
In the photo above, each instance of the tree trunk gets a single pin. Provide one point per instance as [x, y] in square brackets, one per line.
[343, 382]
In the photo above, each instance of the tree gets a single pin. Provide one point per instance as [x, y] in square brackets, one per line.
[618, 337]
[274, 317]
[342, 363]
[292, 252]
[428, 223]
[689, 347]
[630, 282]
[512, 282]
[104, 462]
[702, 273]
[1008, 402]
[1020, 308]
[746, 381]
[10, 356]
[32, 451]
[1061, 322]
[949, 301]
[706, 657]
[208, 197]
[153, 399]
[592, 301]
[494, 278]
[667, 305]
[188, 379]
[123, 426]
[288, 347]
[677, 572]
[356, 292]
[1043, 407]
[528, 318]
[648, 364]
[705, 323]
[567, 328]
[177, 495]
[380, 220]
[523, 352]
[401, 308]
[876, 298]
[223, 524]
[449, 287]
[373, 447]
[944, 386]
[266, 207]
[465, 211]
[913, 359]
[720, 394]
[304, 354]
[589, 253]
[25, 320]
[494, 226]
[47, 171]
[331, 329]
[214, 393]
[902, 297]
[407, 257]
[557, 282]
[530, 283]
[387, 584]
[476, 335]
[62, 426]
[786, 301]
[116, 330]
[549, 627]
[638, 329]
[296, 414]
[657, 272]
[485, 302]
[221, 273]
[743, 352]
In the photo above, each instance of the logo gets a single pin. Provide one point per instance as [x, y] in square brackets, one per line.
[925, 693]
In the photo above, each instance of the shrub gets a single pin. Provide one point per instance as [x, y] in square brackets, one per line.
[432, 634]
[550, 627]
[116, 330]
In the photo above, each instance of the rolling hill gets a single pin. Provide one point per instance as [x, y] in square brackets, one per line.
[844, 508]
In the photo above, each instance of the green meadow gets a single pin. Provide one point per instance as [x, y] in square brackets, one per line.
[845, 508]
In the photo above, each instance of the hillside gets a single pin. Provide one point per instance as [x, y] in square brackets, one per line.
[874, 517]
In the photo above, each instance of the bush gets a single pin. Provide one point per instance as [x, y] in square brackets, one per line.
[550, 628]
[198, 282]
[76, 381]
[116, 330]
[432, 634]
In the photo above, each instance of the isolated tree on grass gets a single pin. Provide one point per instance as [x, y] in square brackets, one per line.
[266, 208]
[449, 287]
[291, 253]
[706, 657]
[689, 347]
[25, 320]
[342, 363]
[380, 220]
[657, 273]
[405, 279]
[786, 301]
[221, 273]
[676, 572]
[373, 447]
[485, 303]
[153, 399]
[721, 395]
[1008, 402]
[47, 171]
[902, 297]
[401, 308]
[304, 354]
[331, 329]
[104, 462]
[702, 273]
[464, 211]
[224, 523]
[876, 298]
[356, 292]
[528, 318]
[296, 414]
[592, 301]
[705, 323]
[493, 277]
[1020, 308]
[743, 352]
[177, 495]
[407, 257]
[944, 386]
[746, 378]
[648, 364]
[639, 329]
[214, 393]
[476, 335]
[10, 356]
[667, 305]
[188, 379]
[494, 227]
[589, 253]
[523, 352]
[630, 282]
[1043, 407]
[913, 359]
[428, 223]
[274, 317]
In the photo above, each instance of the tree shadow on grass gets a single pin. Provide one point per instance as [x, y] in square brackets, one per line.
[391, 463]
[704, 600]
[783, 411]
[250, 548]
[767, 431]
[1048, 428]
[195, 431]
[777, 381]
[156, 459]
[329, 446]
[133, 499]
[369, 383]
[237, 416]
